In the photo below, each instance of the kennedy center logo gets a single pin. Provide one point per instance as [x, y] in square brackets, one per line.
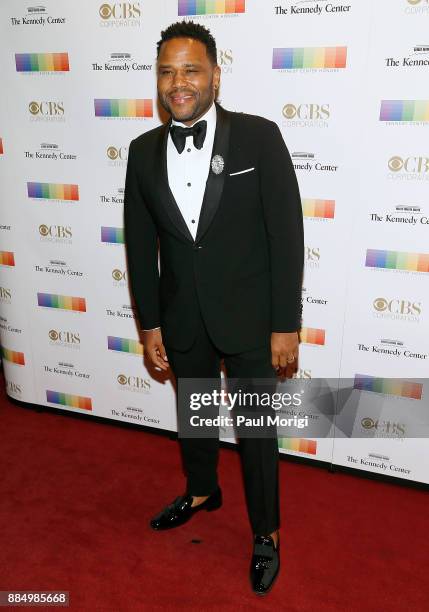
[7, 258]
[11, 356]
[397, 260]
[69, 400]
[400, 112]
[42, 62]
[221, 8]
[124, 345]
[53, 191]
[309, 58]
[118, 108]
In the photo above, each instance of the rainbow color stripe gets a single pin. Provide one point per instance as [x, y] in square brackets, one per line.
[124, 345]
[7, 258]
[65, 302]
[66, 399]
[299, 445]
[42, 62]
[312, 335]
[53, 191]
[397, 260]
[210, 7]
[13, 356]
[318, 208]
[388, 386]
[309, 57]
[115, 235]
[123, 108]
[404, 110]
[1, 146]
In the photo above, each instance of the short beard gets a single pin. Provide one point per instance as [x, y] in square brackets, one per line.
[190, 117]
[199, 109]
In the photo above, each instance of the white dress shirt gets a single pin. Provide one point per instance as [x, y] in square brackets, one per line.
[188, 171]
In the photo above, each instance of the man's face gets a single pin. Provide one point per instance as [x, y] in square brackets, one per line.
[187, 79]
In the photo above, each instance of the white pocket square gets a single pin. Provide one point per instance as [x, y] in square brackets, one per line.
[241, 172]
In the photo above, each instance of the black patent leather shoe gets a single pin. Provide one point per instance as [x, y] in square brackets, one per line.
[265, 564]
[180, 510]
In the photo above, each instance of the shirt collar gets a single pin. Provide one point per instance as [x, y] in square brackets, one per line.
[209, 116]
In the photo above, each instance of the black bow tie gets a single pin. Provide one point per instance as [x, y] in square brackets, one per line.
[197, 131]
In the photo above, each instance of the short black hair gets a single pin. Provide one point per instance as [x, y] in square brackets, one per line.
[189, 29]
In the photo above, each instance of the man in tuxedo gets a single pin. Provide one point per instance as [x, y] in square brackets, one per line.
[216, 192]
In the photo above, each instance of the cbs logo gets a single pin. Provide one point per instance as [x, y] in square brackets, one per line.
[55, 231]
[224, 57]
[118, 275]
[312, 253]
[306, 111]
[404, 307]
[64, 336]
[12, 387]
[49, 109]
[5, 294]
[409, 164]
[120, 10]
[135, 382]
[368, 423]
[117, 153]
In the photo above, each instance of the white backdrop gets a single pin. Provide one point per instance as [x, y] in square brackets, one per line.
[346, 81]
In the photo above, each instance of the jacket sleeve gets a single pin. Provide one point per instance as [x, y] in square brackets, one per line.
[141, 242]
[284, 226]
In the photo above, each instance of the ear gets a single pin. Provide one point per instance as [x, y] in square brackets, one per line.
[216, 77]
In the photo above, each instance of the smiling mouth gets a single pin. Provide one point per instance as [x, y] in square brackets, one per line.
[181, 98]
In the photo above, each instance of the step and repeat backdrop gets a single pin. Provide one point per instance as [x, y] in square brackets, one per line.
[347, 83]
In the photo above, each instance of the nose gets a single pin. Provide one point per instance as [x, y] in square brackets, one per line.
[178, 79]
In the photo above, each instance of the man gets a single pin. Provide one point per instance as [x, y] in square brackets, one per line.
[217, 190]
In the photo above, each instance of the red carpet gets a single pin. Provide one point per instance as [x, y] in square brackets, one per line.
[76, 497]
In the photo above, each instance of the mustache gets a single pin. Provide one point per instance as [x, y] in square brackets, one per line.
[174, 92]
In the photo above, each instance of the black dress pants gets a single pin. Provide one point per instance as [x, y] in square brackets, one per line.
[259, 455]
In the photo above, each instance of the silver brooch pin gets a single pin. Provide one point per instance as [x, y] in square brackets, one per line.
[217, 164]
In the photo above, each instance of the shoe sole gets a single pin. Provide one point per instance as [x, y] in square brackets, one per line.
[209, 509]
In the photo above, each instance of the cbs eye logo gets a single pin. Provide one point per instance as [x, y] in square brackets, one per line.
[289, 111]
[396, 163]
[43, 230]
[54, 335]
[368, 423]
[112, 153]
[122, 379]
[118, 275]
[33, 107]
[380, 304]
[105, 11]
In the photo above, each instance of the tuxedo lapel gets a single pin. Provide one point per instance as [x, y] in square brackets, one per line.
[166, 196]
[215, 182]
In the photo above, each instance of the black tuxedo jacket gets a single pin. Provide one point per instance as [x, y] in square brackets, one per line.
[244, 269]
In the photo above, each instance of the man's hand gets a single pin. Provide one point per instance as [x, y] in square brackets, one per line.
[284, 350]
[154, 348]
